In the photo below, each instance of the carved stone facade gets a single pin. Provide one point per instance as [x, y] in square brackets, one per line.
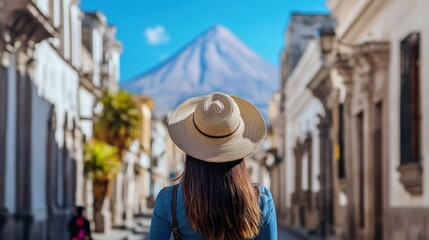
[295, 181]
[41, 131]
[321, 87]
[387, 198]
[365, 77]
[371, 87]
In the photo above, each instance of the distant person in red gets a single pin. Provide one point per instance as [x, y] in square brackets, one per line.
[79, 226]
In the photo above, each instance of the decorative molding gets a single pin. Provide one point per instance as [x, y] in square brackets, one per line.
[370, 57]
[344, 67]
[412, 177]
[321, 86]
[363, 73]
[89, 85]
[377, 54]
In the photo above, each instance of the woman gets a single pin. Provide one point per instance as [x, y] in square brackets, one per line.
[215, 199]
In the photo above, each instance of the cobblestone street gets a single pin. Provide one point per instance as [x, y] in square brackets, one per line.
[141, 232]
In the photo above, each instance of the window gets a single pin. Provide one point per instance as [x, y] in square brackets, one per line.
[410, 115]
[410, 99]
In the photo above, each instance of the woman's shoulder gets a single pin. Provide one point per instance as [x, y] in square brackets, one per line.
[264, 193]
[163, 203]
[166, 193]
[266, 203]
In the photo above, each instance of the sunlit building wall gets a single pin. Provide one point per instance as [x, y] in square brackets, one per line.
[386, 112]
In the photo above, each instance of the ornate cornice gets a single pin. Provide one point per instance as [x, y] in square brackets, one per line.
[299, 150]
[344, 66]
[369, 58]
[375, 53]
[22, 26]
[321, 86]
[308, 141]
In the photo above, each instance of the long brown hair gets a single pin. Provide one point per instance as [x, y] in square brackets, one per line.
[220, 201]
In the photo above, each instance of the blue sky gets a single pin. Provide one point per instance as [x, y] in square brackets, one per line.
[153, 30]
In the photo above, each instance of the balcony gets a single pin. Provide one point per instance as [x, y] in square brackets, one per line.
[25, 22]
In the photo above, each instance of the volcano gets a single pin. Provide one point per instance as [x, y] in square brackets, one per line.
[215, 61]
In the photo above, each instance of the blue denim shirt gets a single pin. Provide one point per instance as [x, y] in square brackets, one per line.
[160, 228]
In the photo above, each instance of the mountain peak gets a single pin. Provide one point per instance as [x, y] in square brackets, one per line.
[216, 61]
[217, 32]
[218, 28]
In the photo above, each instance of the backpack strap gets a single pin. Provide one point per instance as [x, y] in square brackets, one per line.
[174, 225]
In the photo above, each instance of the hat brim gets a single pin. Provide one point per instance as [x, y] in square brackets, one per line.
[250, 133]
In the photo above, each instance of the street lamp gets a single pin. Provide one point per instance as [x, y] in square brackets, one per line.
[327, 39]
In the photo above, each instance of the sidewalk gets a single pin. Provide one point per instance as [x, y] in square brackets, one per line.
[139, 231]
[304, 234]
[117, 234]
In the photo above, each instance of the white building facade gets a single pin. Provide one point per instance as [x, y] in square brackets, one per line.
[296, 122]
[41, 124]
[386, 116]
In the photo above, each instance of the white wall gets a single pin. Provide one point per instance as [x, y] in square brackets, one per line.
[97, 54]
[76, 35]
[302, 117]
[55, 84]
[86, 105]
[159, 136]
[43, 5]
[416, 20]
[39, 130]
[392, 20]
[66, 46]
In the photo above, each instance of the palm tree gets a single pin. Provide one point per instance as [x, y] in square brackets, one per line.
[119, 123]
[101, 164]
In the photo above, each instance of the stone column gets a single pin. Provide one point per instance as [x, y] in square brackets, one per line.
[116, 199]
[364, 75]
[372, 72]
[4, 60]
[130, 193]
[378, 55]
[311, 215]
[326, 178]
[321, 87]
[78, 162]
[10, 163]
[23, 150]
[308, 143]
[298, 167]
[297, 195]
[345, 69]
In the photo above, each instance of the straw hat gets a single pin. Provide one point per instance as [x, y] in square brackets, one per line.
[217, 127]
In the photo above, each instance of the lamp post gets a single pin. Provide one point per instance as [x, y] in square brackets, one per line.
[329, 43]
[327, 39]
